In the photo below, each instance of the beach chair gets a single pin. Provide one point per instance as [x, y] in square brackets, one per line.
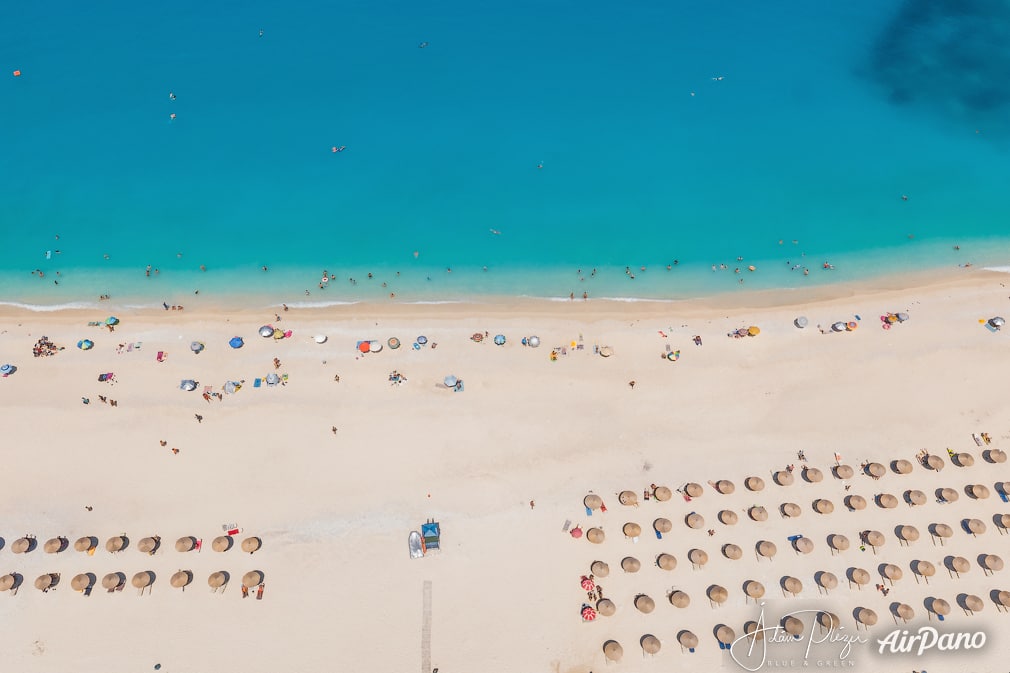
[431, 535]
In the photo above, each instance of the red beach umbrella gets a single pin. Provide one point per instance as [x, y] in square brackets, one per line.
[588, 584]
[588, 614]
[576, 532]
[364, 346]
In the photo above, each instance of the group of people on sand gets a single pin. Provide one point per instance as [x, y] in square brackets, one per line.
[44, 347]
[259, 591]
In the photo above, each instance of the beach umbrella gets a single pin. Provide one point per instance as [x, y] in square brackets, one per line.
[236, 342]
[978, 491]
[801, 322]
[185, 544]
[644, 604]
[222, 543]
[838, 542]
[697, 557]
[941, 530]
[595, 535]
[251, 544]
[1003, 487]
[650, 644]
[826, 580]
[266, 331]
[948, 495]
[876, 470]
[278, 333]
[725, 486]
[838, 326]
[196, 347]
[54, 545]
[112, 580]
[934, 462]
[605, 351]
[902, 466]
[693, 490]
[663, 494]
[804, 545]
[973, 603]
[612, 650]
[938, 606]
[679, 599]
[717, 594]
[252, 578]
[7, 369]
[963, 460]
[322, 338]
[828, 620]
[924, 569]
[534, 342]
[750, 628]
[592, 501]
[112, 320]
[758, 513]
[114, 544]
[866, 616]
[753, 589]
[84, 544]
[995, 455]
[687, 639]
[80, 582]
[1003, 598]
[725, 634]
[843, 471]
[904, 611]
[694, 520]
[991, 562]
[792, 585]
[783, 477]
[754, 483]
[142, 579]
[85, 344]
[813, 475]
[902, 317]
[753, 330]
[423, 340]
[392, 342]
[732, 552]
[666, 561]
[891, 572]
[975, 526]
[887, 501]
[606, 607]
[632, 529]
[908, 533]
[822, 506]
[273, 379]
[855, 502]
[599, 569]
[914, 497]
[728, 517]
[766, 548]
[7, 582]
[662, 525]
[958, 564]
[499, 339]
[375, 346]
[997, 322]
[627, 498]
[875, 538]
[181, 579]
[1004, 521]
[230, 387]
[792, 626]
[630, 564]
[189, 385]
[218, 579]
[43, 582]
[790, 509]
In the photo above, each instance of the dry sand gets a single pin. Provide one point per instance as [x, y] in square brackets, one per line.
[334, 510]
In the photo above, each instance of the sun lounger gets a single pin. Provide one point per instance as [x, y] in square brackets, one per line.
[568, 523]
[659, 536]
[1003, 497]
[978, 440]
[589, 511]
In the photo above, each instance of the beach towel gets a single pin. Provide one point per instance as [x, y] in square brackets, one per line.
[589, 511]
[198, 545]
[257, 383]
[161, 356]
[129, 349]
[659, 536]
[207, 389]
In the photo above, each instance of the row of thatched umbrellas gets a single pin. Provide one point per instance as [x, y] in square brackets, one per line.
[117, 580]
[147, 545]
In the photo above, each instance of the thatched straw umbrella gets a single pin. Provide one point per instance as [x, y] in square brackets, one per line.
[181, 579]
[923, 569]
[826, 580]
[728, 517]
[222, 543]
[758, 513]
[838, 542]
[753, 589]
[184, 544]
[907, 534]
[55, 545]
[938, 606]
[803, 545]
[995, 455]
[822, 506]
[43, 582]
[85, 543]
[947, 494]
[627, 498]
[81, 582]
[1003, 487]
[790, 509]
[940, 531]
[843, 471]
[977, 491]
[114, 544]
[599, 568]
[694, 520]
[252, 578]
[650, 644]
[218, 579]
[750, 628]
[828, 621]
[876, 470]
[148, 545]
[629, 564]
[902, 466]
[7, 582]
[725, 486]
[975, 526]
[858, 576]
[865, 616]
[963, 460]
[887, 501]
[592, 501]
[113, 580]
[915, 497]
[1002, 598]
[766, 548]
[991, 563]
[875, 539]
[725, 634]
[693, 490]
[632, 529]
[697, 557]
[972, 604]
[783, 477]
[891, 572]
[904, 612]
[754, 483]
[666, 561]
[732, 552]
[679, 599]
[792, 626]
[142, 579]
[854, 502]
[687, 640]
[813, 475]
[791, 585]
[595, 535]
[957, 565]
[663, 494]
[22, 545]
[1002, 521]
[934, 462]
[606, 607]
[717, 595]
[662, 525]
[644, 604]
[612, 650]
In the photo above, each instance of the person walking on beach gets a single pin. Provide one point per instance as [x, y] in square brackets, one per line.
[199, 418]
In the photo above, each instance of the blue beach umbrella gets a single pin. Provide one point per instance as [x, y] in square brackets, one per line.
[7, 369]
[112, 320]
[450, 381]
[196, 346]
[499, 339]
[422, 339]
[189, 385]
[236, 342]
[85, 344]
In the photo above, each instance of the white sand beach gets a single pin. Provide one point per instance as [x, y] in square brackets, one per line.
[334, 509]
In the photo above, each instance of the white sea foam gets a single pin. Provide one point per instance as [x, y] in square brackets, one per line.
[49, 308]
[999, 269]
[317, 304]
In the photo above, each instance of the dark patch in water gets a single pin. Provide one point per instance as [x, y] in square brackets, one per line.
[952, 56]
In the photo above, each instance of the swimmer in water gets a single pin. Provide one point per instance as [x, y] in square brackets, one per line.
[495, 232]
[422, 45]
[171, 95]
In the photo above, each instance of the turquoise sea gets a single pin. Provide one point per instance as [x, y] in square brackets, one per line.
[590, 135]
